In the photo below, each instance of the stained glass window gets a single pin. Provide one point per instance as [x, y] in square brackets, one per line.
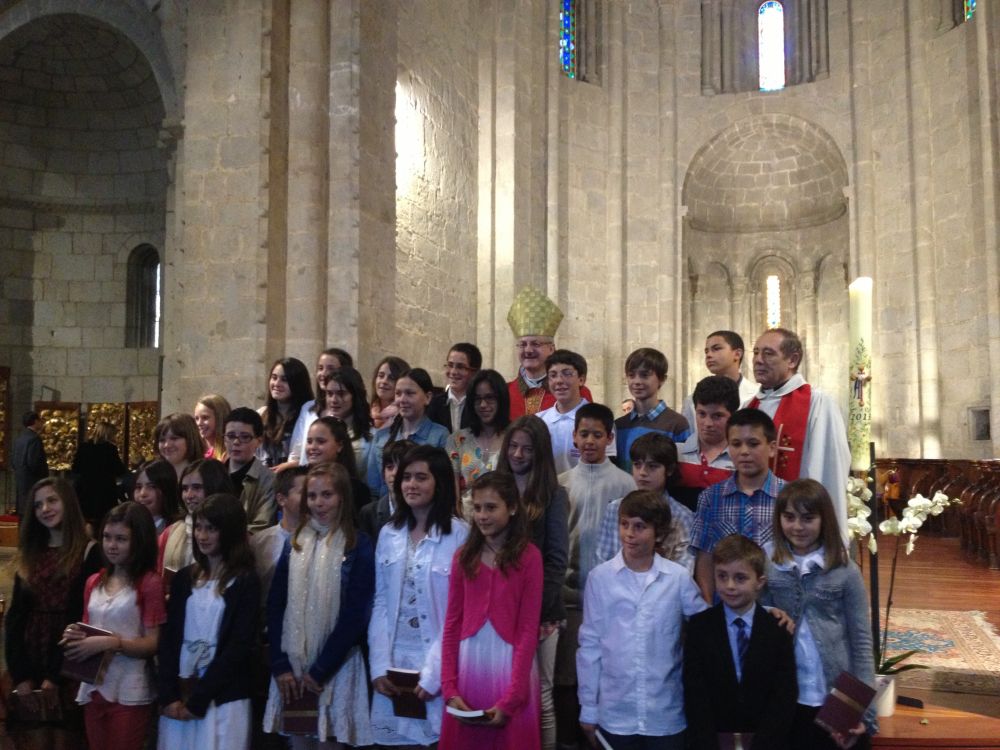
[970, 8]
[773, 296]
[567, 37]
[771, 45]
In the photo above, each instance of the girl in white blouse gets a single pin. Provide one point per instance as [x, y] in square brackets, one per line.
[412, 566]
[126, 598]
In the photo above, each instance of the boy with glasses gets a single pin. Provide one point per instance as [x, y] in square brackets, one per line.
[253, 481]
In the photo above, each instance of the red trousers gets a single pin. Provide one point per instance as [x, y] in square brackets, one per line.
[112, 726]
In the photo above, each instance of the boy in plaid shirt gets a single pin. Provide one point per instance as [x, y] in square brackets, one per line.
[742, 504]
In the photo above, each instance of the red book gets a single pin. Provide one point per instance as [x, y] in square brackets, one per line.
[406, 704]
[92, 668]
[301, 716]
[845, 705]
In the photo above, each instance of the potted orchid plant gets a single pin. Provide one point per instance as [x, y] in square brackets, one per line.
[918, 509]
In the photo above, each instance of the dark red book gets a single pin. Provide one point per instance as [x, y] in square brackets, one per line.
[735, 740]
[92, 668]
[845, 705]
[406, 704]
[301, 716]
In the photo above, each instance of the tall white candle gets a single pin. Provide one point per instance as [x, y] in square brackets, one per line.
[859, 413]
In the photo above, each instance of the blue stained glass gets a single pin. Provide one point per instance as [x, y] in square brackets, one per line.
[771, 45]
[970, 8]
[567, 38]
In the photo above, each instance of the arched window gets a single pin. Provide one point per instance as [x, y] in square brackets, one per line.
[772, 296]
[771, 45]
[580, 39]
[143, 298]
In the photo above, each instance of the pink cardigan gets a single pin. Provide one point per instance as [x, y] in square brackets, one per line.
[512, 603]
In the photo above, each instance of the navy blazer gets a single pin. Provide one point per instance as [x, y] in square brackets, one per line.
[762, 703]
[439, 410]
[357, 592]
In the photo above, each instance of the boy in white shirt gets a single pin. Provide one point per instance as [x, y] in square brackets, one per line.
[566, 372]
[629, 661]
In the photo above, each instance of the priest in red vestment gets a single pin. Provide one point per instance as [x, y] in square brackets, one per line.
[812, 439]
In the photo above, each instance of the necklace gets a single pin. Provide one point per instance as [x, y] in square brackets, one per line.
[491, 548]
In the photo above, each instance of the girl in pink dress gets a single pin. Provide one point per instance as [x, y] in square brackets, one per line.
[126, 598]
[491, 629]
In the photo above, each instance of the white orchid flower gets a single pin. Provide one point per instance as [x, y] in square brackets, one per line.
[872, 544]
[889, 526]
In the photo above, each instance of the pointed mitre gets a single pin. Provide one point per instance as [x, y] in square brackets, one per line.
[533, 314]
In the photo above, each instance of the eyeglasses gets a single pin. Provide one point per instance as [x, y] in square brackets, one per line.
[239, 437]
[533, 344]
[456, 366]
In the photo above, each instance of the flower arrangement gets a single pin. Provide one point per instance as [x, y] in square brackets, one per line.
[918, 509]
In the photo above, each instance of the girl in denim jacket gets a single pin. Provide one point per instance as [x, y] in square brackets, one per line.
[811, 577]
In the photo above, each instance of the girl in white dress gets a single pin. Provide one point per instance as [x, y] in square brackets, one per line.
[412, 565]
[317, 612]
[125, 598]
[206, 663]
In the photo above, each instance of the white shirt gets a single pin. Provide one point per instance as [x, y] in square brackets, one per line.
[629, 661]
[455, 406]
[561, 428]
[808, 664]
[267, 546]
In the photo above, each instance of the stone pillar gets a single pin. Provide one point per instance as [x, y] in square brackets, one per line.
[308, 106]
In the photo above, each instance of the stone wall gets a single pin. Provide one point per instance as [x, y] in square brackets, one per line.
[83, 183]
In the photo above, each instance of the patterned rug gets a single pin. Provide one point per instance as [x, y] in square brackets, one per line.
[962, 649]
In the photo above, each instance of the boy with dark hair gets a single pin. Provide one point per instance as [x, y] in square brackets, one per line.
[566, 372]
[744, 503]
[254, 482]
[645, 373]
[591, 485]
[448, 407]
[724, 355]
[654, 459]
[705, 456]
[629, 660]
[374, 516]
[739, 663]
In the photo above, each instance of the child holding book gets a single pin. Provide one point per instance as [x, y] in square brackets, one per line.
[317, 616]
[811, 577]
[739, 666]
[491, 628]
[54, 560]
[205, 654]
[634, 608]
[126, 598]
[413, 562]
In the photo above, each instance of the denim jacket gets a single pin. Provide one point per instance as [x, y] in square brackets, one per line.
[836, 603]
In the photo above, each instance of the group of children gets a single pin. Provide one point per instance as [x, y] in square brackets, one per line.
[578, 598]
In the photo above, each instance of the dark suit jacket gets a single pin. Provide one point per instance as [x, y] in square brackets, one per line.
[374, 516]
[439, 411]
[29, 464]
[763, 703]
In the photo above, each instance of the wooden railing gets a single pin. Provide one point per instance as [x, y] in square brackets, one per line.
[976, 483]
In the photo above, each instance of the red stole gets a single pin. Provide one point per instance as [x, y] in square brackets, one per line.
[791, 419]
[700, 475]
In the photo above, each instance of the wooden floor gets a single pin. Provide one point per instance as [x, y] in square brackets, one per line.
[938, 576]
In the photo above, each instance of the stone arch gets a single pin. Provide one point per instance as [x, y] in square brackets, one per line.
[767, 194]
[82, 173]
[766, 173]
[132, 18]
